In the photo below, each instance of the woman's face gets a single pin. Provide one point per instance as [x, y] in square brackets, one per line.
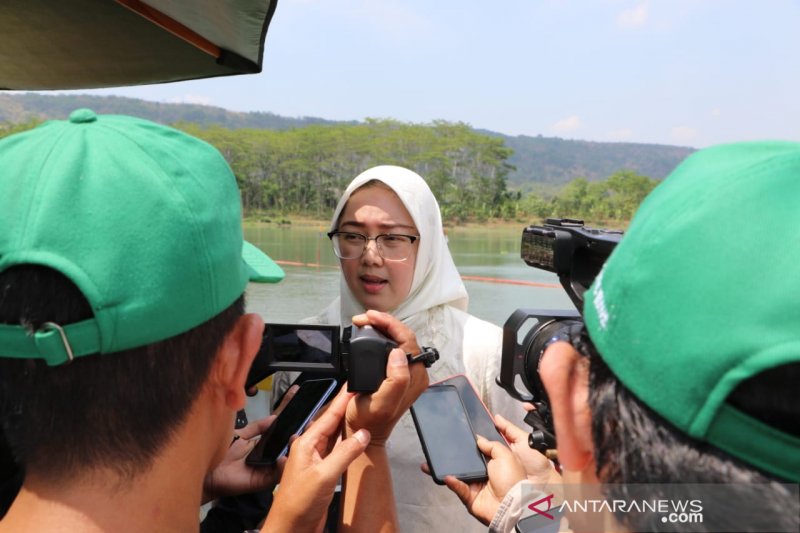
[375, 282]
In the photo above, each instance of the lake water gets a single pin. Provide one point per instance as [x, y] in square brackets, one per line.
[312, 280]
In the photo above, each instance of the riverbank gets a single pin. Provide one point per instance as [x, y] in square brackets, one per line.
[263, 220]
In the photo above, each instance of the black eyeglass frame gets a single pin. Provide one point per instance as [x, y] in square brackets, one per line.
[332, 234]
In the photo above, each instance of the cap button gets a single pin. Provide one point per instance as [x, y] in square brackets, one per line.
[80, 116]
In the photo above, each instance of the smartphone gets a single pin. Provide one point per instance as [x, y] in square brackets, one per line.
[479, 416]
[294, 418]
[446, 435]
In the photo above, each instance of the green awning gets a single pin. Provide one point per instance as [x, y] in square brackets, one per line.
[80, 44]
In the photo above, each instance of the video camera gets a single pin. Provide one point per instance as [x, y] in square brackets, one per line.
[576, 254]
[359, 357]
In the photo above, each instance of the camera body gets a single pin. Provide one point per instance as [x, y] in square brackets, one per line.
[358, 356]
[576, 254]
[569, 249]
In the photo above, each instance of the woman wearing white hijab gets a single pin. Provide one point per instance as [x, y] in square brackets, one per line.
[420, 285]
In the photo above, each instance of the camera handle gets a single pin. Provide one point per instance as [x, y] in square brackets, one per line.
[540, 438]
[428, 356]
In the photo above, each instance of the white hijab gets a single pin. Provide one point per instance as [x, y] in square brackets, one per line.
[436, 280]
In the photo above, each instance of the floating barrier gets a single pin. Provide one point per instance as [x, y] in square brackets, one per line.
[466, 278]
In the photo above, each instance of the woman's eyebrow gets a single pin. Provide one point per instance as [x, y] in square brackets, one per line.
[360, 225]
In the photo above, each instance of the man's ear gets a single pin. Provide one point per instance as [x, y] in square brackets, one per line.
[235, 356]
[565, 374]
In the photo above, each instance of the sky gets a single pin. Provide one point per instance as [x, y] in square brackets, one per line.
[682, 72]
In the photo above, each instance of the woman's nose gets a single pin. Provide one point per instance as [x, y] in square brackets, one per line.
[371, 253]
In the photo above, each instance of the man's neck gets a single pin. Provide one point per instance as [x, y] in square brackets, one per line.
[164, 498]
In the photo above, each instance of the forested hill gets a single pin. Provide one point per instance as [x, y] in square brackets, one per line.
[553, 161]
[539, 162]
[25, 106]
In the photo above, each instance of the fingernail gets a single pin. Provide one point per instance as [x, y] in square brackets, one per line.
[362, 436]
[398, 358]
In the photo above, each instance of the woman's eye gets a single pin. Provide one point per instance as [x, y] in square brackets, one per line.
[394, 239]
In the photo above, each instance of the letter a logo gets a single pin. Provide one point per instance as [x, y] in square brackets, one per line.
[549, 500]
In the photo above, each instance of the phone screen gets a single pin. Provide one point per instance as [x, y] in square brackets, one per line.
[479, 416]
[296, 347]
[294, 418]
[446, 435]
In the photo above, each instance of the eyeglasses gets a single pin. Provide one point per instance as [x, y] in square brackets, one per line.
[390, 246]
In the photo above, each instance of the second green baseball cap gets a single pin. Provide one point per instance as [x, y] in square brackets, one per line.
[701, 294]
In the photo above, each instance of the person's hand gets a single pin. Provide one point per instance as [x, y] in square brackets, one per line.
[482, 499]
[233, 476]
[538, 468]
[310, 473]
[379, 412]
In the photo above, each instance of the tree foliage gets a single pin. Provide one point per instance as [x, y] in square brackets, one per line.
[613, 200]
[305, 170]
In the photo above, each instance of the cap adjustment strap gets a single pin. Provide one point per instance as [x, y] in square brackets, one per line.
[54, 343]
[42, 336]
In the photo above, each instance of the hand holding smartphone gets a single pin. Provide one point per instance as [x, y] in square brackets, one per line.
[479, 416]
[446, 435]
[294, 418]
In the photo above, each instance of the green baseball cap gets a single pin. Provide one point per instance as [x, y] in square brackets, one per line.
[144, 219]
[702, 294]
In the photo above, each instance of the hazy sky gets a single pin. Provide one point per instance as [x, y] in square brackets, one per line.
[687, 72]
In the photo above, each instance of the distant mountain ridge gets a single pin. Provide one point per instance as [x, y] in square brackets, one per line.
[540, 162]
[25, 106]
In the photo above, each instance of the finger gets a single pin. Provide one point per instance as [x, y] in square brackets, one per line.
[328, 424]
[392, 390]
[345, 452]
[256, 428]
[425, 468]
[251, 391]
[397, 366]
[392, 327]
[419, 379]
[460, 488]
[511, 432]
[288, 395]
[320, 412]
[280, 464]
[490, 448]
[263, 478]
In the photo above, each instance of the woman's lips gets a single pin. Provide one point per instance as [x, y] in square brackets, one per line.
[372, 284]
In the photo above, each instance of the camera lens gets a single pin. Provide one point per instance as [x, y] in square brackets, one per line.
[533, 347]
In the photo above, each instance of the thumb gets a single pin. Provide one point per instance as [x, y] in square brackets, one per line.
[512, 433]
[460, 488]
[346, 452]
[489, 448]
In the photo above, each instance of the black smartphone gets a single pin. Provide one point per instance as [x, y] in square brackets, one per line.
[446, 435]
[294, 418]
[479, 416]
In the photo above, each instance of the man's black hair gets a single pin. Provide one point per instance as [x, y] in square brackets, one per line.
[635, 446]
[112, 411]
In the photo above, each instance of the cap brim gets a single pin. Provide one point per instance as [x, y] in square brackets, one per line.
[260, 267]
